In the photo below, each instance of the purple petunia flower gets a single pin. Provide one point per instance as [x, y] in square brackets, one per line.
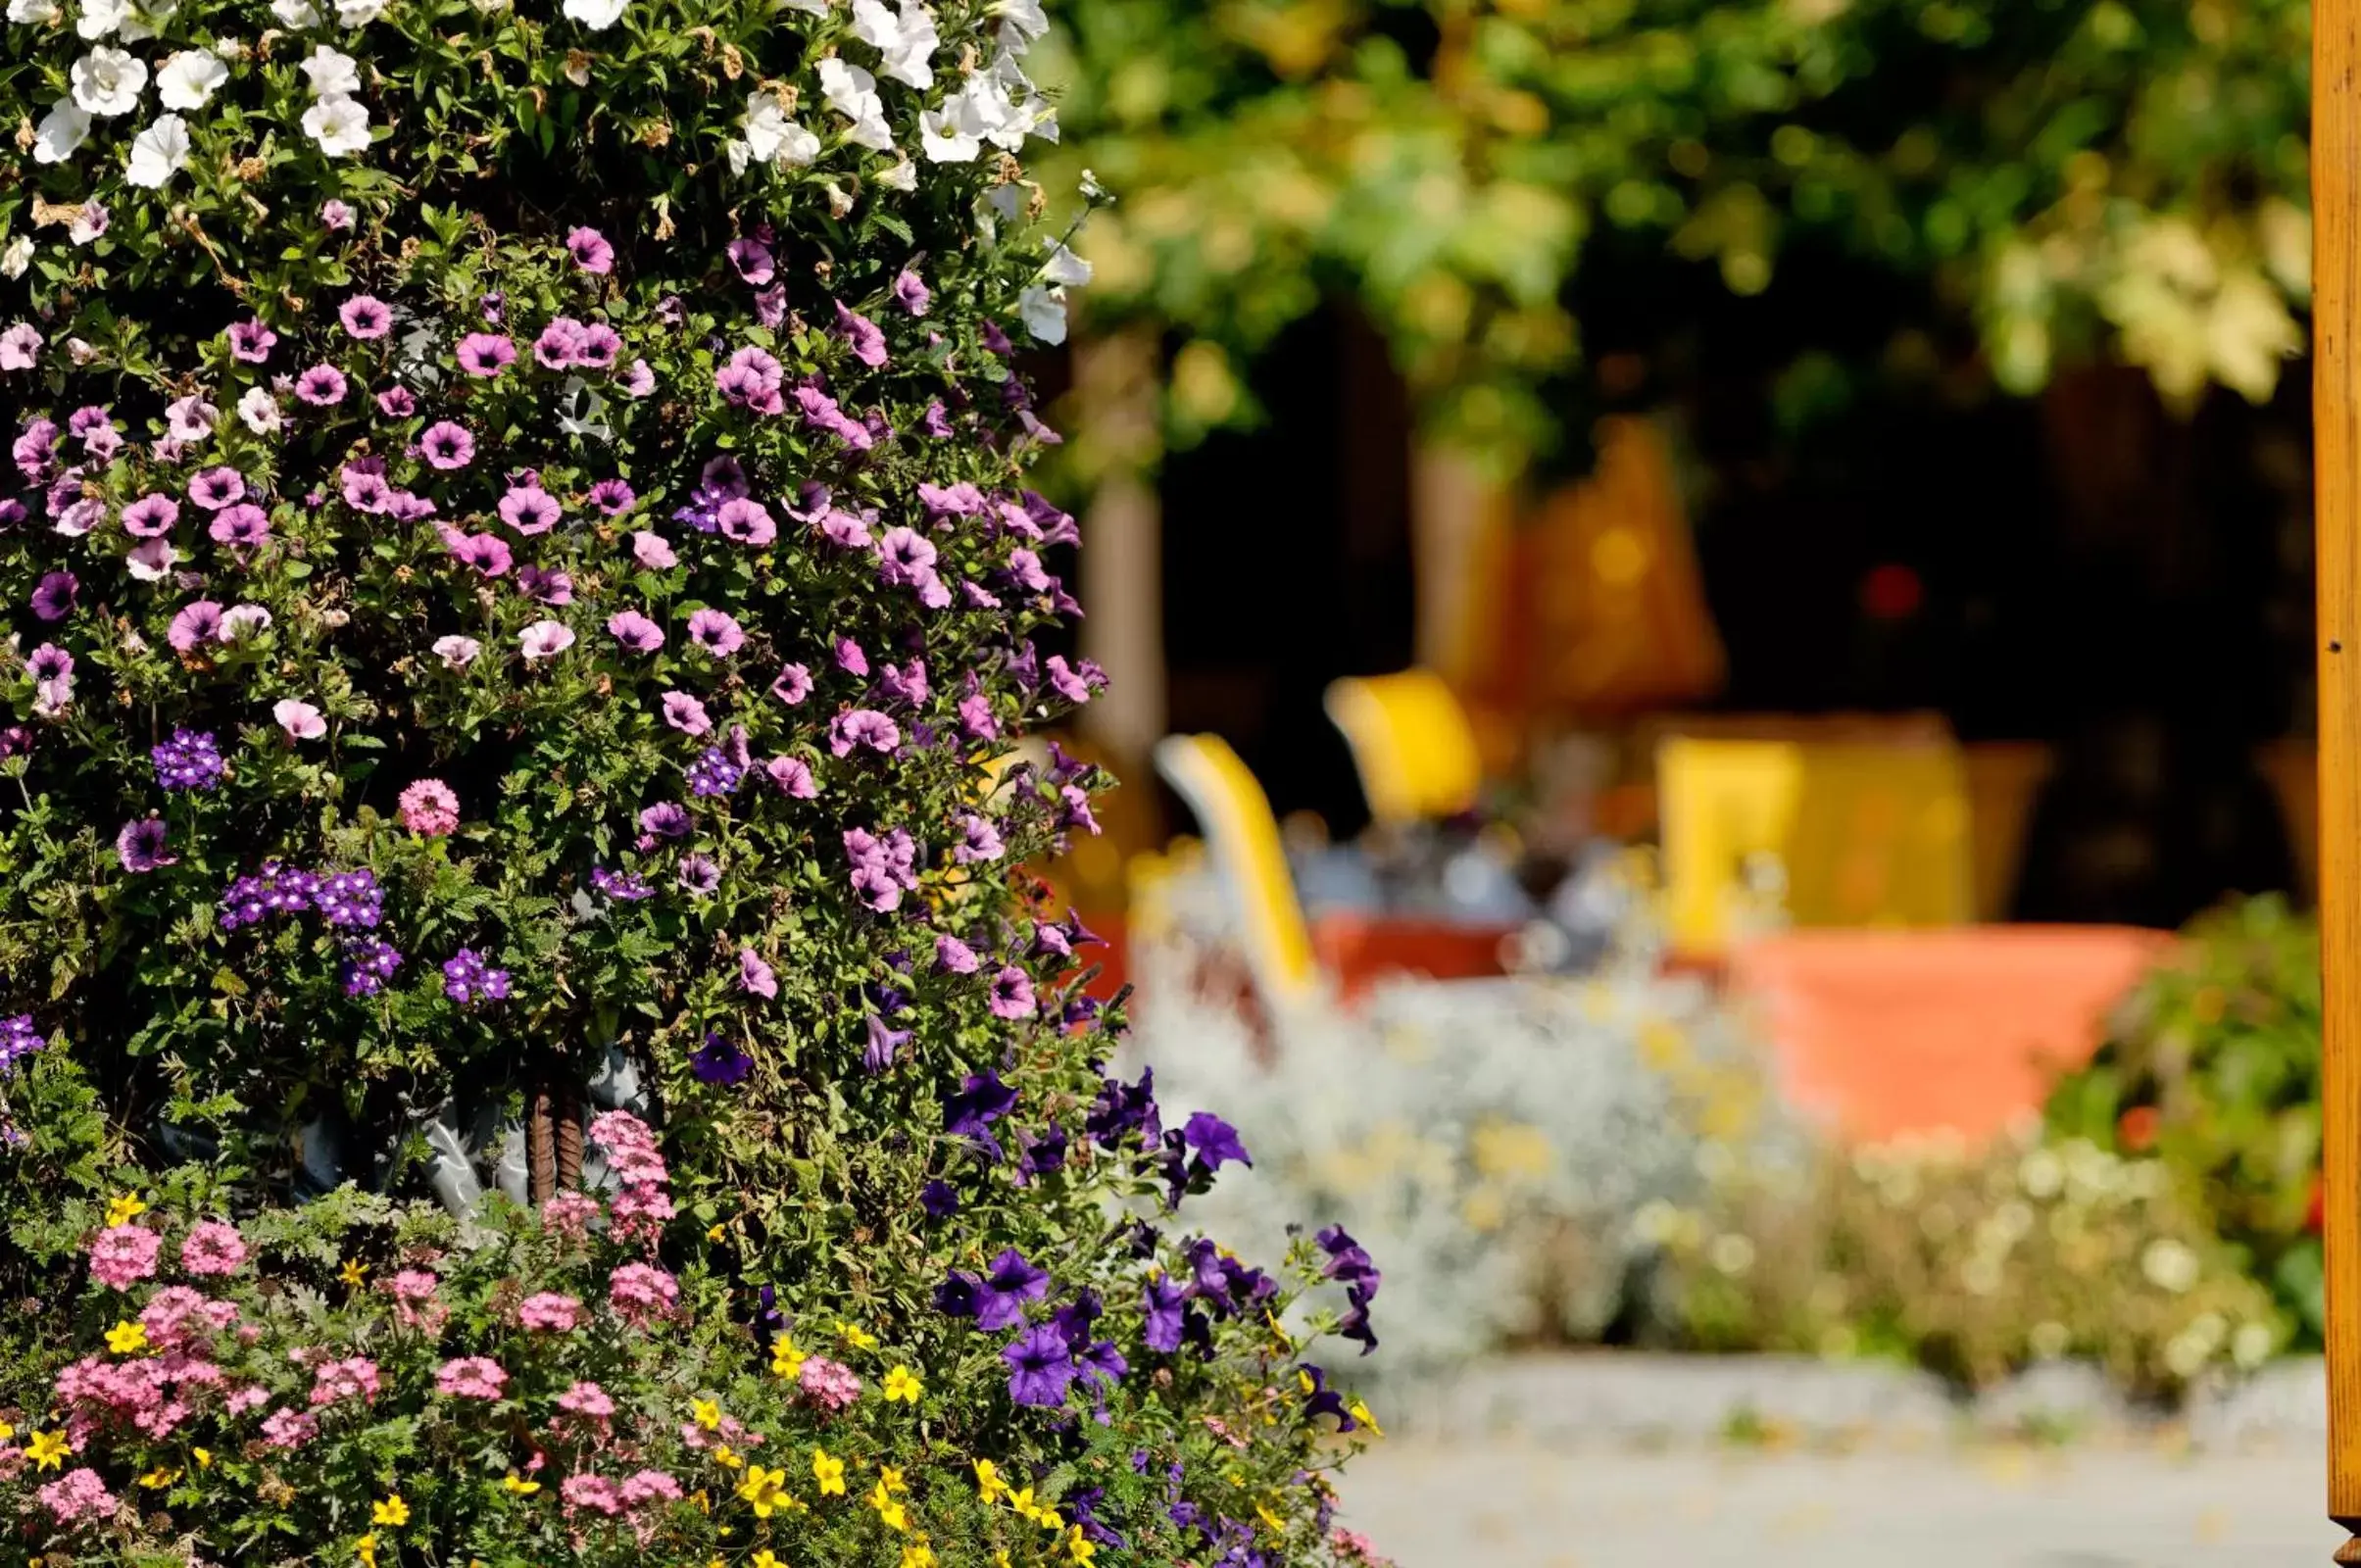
[720, 1064]
[322, 387]
[141, 846]
[910, 292]
[1012, 994]
[635, 631]
[190, 761]
[251, 341]
[752, 260]
[546, 585]
[717, 632]
[447, 445]
[613, 497]
[867, 338]
[979, 841]
[980, 1101]
[791, 777]
[241, 526]
[487, 553]
[469, 981]
[1213, 1140]
[862, 726]
[699, 874]
[590, 250]
[884, 1042]
[746, 522]
[666, 819]
[750, 380]
[1040, 1367]
[850, 659]
[365, 316]
[793, 685]
[939, 1200]
[1004, 1289]
[755, 976]
[52, 597]
[530, 510]
[1162, 1307]
[485, 354]
[686, 713]
[953, 957]
[623, 886]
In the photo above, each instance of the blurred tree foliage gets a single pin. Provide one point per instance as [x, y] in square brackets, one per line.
[2071, 180]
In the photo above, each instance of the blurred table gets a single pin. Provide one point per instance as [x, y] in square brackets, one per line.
[1881, 1033]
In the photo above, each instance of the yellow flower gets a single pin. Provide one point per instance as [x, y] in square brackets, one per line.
[890, 1478]
[902, 1384]
[918, 1555]
[157, 1479]
[1000, 1559]
[988, 1484]
[856, 1336]
[764, 1489]
[1277, 1524]
[392, 1512]
[517, 1485]
[727, 1457]
[765, 1558]
[829, 1472]
[1021, 1502]
[6, 1432]
[785, 1359]
[1050, 1519]
[126, 1338]
[47, 1451]
[203, 1456]
[716, 1232]
[123, 1210]
[1361, 1413]
[1079, 1546]
[366, 1549]
[896, 1517]
[707, 1414]
[353, 1273]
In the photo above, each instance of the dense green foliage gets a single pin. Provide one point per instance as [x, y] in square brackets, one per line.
[2116, 179]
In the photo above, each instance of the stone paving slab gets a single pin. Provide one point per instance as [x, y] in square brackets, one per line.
[1515, 1502]
[1625, 1400]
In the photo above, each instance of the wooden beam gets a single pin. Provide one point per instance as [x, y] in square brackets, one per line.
[2336, 429]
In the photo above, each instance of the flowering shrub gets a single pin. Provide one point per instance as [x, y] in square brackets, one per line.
[1973, 1264]
[523, 590]
[2212, 1065]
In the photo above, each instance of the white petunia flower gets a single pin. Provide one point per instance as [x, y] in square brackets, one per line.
[108, 82]
[138, 23]
[954, 134]
[359, 12]
[1064, 268]
[1024, 18]
[853, 93]
[295, 15]
[29, 12]
[773, 138]
[150, 560]
[259, 411]
[1043, 310]
[903, 175]
[545, 639]
[340, 125]
[737, 154]
[332, 71]
[101, 17]
[906, 40]
[17, 258]
[189, 78]
[158, 153]
[596, 14]
[190, 419]
[90, 221]
[62, 131]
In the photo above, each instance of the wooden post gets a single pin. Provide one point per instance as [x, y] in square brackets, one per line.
[2336, 443]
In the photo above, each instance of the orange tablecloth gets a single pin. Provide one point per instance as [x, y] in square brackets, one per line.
[1355, 951]
[1887, 1032]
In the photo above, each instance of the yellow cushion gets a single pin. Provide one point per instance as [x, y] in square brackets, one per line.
[1243, 838]
[1410, 742]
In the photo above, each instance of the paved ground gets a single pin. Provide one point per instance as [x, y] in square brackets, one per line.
[1518, 1502]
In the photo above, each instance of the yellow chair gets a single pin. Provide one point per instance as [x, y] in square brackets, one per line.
[1868, 835]
[1242, 837]
[1411, 745]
